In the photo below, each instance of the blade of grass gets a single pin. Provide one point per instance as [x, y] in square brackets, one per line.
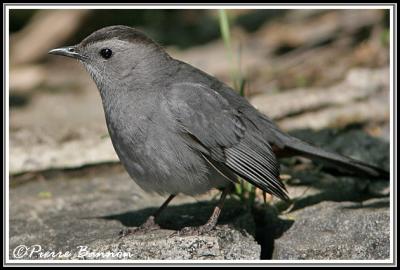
[226, 36]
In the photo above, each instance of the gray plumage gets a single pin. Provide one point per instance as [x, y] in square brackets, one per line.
[177, 129]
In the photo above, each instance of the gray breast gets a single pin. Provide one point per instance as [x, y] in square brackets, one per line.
[166, 165]
[156, 156]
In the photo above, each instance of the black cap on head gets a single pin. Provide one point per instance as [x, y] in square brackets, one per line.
[120, 32]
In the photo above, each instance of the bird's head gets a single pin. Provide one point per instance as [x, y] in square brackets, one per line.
[116, 56]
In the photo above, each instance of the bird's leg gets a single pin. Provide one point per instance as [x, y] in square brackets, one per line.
[150, 224]
[212, 221]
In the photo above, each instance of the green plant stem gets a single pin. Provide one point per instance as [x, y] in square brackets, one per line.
[226, 36]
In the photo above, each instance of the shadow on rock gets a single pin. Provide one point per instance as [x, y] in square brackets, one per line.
[330, 184]
[18, 100]
[383, 203]
[263, 223]
[336, 189]
[176, 217]
[269, 226]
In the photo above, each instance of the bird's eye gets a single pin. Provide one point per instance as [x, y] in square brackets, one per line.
[106, 53]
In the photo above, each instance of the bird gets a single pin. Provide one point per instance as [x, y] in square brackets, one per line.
[178, 130]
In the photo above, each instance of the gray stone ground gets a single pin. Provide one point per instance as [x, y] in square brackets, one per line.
[339, 231]
[330, 217]
[61, 212]
[224, 243]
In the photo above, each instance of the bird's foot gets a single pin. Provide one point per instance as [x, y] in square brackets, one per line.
[147, 226]
[194, 231]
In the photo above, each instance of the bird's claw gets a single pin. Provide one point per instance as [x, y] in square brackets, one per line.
[148, 226]
[193, 231]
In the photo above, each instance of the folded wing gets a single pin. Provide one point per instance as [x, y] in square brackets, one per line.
[210, 125]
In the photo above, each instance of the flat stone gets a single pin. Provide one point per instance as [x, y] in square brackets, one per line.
[338, 231]
[66, 216]
[224, 243]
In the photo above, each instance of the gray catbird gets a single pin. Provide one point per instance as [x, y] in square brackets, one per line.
[177, 129]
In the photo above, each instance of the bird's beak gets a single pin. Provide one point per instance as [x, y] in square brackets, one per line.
[69, 51]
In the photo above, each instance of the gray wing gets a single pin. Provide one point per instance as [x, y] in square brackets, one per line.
[210, 125]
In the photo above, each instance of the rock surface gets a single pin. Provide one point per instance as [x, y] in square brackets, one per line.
[60, 212]
[338, 231]
[224, 243]
[331, 217]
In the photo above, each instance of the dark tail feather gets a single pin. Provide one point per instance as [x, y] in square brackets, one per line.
[350, 165]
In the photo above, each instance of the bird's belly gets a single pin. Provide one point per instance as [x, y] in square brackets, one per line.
[164, 164]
